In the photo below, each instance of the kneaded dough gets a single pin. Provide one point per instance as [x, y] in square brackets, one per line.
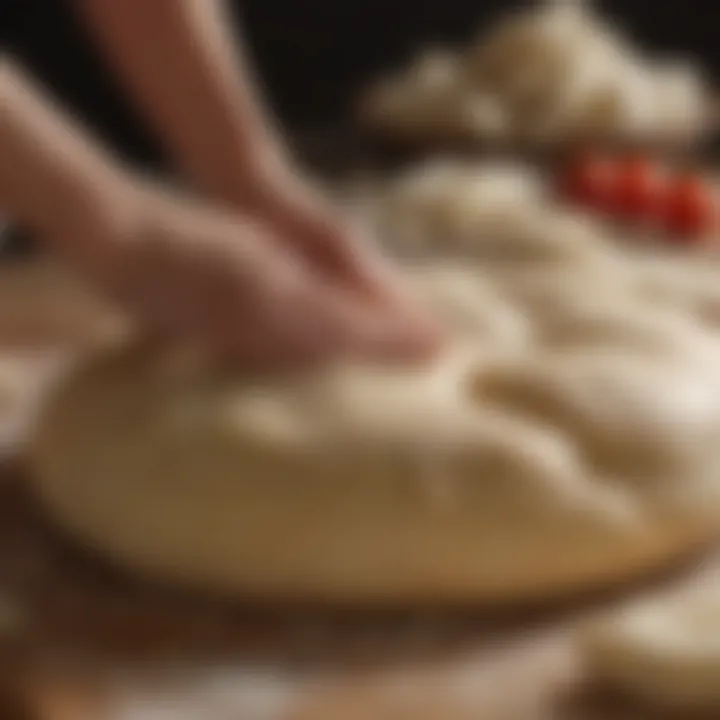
[496, 214]
[665, 651]
[554, 447]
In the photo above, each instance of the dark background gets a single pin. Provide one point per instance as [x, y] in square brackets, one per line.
[313, 54]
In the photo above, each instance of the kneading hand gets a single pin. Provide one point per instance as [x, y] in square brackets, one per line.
[228, 280]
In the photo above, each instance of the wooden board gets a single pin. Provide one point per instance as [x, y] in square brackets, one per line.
[81, 642]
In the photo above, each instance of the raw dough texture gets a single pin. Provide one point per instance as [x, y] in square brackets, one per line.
[551, 74]
[495, 213]
[570, 438]
[665, 651]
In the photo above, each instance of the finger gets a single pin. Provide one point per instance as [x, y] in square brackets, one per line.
[288, 314]
[271, 320]
[356, 330]
[330, 244]
[312, 227]
[326, 243]
[397, 298]
[394, 340]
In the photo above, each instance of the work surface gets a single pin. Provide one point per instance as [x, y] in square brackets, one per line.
[80, 642]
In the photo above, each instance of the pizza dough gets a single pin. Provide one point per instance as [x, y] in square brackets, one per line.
[494, 213]
[666, 651]
[556, 446]
[554, 73]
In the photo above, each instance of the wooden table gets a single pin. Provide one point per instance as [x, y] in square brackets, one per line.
[78, 641]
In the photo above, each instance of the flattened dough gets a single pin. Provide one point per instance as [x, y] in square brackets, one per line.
[665, 651]
[570, 445]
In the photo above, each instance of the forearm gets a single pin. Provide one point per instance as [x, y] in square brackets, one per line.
[177, 59]
[51, 175]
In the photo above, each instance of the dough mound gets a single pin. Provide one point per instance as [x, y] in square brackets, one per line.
[570, 438]
[554, 73]
[496, 214]
[665, 651]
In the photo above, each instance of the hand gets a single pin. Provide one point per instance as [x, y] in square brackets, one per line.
[233, 283]
[313, 227]
[305, 218]
[218, 133]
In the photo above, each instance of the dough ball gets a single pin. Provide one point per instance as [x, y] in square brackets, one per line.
[429, 98]
[528, 48]
[484, 117]
[451, 198]
[514, 467]
[620, 106]
[550, 74]
[491, 213]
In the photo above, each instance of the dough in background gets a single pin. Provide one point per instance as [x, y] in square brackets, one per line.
[498, 214]
[555, 73]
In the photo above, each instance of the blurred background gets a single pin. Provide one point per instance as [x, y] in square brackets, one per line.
[313, 55]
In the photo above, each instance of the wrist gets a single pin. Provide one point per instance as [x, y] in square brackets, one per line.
[98, 231]
[55, 180]
[89, 215]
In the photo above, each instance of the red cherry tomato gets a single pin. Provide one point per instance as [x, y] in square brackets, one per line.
[639, 189]
[589, 181]
[690, 208]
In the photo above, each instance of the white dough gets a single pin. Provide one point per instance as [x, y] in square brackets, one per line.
[665, 651]
[680, 88]
[569, 436]
[493, 213]
[548, 452]
[554, 72]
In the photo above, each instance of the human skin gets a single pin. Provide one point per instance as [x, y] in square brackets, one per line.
[182, 264]
[189, 76]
